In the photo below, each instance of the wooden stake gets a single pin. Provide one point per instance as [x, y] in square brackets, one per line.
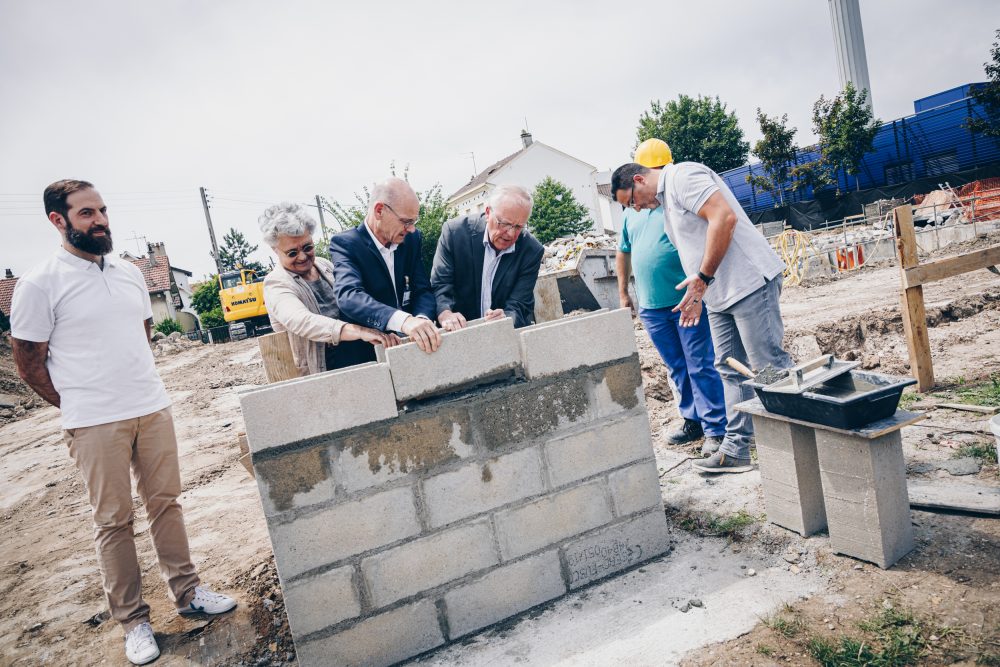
[276, 353]
[914, 314]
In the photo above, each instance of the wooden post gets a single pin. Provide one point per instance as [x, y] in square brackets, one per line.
[276, 353]
[914, 314]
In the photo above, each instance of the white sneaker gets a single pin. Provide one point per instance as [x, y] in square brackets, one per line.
[207, 602]
[140, 645]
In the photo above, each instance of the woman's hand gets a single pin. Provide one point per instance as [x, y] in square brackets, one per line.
[373, 336]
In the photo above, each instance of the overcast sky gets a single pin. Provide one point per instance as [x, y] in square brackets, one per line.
[264, 101]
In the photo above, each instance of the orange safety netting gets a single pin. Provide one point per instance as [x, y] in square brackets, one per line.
[984, 196]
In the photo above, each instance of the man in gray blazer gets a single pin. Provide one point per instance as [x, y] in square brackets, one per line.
[486, 265]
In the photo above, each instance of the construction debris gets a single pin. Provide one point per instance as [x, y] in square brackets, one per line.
[563, 253]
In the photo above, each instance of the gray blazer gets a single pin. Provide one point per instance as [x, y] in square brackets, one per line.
[457, 272]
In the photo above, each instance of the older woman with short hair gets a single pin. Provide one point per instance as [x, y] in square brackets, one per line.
[299, 293]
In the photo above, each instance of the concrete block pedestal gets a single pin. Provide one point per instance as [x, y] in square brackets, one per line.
[854, 481]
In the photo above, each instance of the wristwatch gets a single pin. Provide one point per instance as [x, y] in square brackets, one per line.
[708, 280]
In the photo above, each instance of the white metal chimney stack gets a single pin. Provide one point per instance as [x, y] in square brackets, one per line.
[849, 41]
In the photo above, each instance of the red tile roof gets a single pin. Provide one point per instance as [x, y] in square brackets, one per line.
[157, 277]
[6, 294]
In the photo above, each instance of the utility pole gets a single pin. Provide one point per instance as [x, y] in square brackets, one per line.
[211, 231]
[322, 220]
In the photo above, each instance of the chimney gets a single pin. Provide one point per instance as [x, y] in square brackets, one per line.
[156, 249]
[525, 138]
[10, 274]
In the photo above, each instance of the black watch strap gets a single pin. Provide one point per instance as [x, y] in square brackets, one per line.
[708, 280]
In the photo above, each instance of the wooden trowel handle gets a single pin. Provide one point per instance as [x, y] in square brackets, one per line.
[740, 368]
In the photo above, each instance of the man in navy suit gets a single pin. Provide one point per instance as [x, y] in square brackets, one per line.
[379, 278]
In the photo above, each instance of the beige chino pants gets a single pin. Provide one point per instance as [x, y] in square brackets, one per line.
[104, 454]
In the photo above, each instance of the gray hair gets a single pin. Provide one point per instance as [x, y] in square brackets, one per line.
[516, 192]
[285, 219]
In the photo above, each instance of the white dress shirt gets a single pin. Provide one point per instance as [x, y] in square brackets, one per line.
[491, 260]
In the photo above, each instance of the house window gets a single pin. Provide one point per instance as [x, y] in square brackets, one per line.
[899, 173]
[942, 163]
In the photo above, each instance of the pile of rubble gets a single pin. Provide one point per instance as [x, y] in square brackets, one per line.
[167, 344]
[564, 252]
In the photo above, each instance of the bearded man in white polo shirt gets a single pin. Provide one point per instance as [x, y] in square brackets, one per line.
[80, 325]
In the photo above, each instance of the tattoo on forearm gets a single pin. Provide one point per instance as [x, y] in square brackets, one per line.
[29, 357]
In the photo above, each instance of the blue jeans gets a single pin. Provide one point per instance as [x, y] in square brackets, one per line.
[689, 355]
[749, 331]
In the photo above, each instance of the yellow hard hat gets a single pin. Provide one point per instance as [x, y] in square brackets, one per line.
[653, 153]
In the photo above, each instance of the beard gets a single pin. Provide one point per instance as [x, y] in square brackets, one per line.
[87, 242]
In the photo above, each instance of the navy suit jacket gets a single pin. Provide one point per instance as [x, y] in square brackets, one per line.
[365, 292]
[457, 273]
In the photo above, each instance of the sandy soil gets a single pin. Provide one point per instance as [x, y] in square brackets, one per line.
[52, 609]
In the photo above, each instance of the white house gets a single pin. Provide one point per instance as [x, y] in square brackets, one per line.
[528, 167]
[169, 288]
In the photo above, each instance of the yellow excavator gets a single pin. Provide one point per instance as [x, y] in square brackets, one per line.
[242, 295]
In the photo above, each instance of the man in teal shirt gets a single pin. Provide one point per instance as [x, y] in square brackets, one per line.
[645, 251]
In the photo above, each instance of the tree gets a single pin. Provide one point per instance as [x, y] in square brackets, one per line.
[234, 252]
[205, 300]
[697, 129]
[556, 212]
[989, 96]
[168, 326]
[846, 127]
[776, 152]
[434, 212]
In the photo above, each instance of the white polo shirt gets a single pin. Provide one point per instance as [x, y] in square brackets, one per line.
[99, 358]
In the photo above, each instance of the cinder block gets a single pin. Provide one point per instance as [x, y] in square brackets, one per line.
[294, 479]
[636, 488]
[321, 601]
[428, 562]
[483, 485]
[550, 519]
[616, 548]
[505, 591]
[617, 388]
[587, 340]
[343, 530]
[867, 505]
[598, 449]
[294, 410]
[787, 457]
[410, 444]
[467, 356]
[378, 641]
[509, 416]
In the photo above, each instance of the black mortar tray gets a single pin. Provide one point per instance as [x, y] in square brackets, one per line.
[847, 401]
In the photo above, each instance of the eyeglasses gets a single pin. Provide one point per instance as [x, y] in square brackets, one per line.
[406, 223]
[294, 252]
[631, 197]
[506, 226]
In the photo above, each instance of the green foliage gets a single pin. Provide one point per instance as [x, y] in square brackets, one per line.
[234, 252]
[556, 212]
[989, 96]
[846, 128]
[893, 639]
[987, 393]
[984, 451]
[213, 318]
[206, 297]
[776, 152]
[168, 326]
[765, 650]
[730, 526]
[434, 212]
[786, 627]
[697, 130]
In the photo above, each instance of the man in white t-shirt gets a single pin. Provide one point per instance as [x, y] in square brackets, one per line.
[730, 267]
[80, 325]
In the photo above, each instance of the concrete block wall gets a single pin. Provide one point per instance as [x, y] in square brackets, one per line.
[396, 534]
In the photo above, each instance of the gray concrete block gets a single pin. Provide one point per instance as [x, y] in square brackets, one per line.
[868, 508]
[483, 485]
[378, 641]
[343, 530]
[321, 601]
[636, 488]
[786, 454]
[552, 518]
[617, 388]
[413, 443]
[294, 479]
[428, 562]
[586, 340]
[509, 416]
[294, 410]
[503, 592]
[481, 350]
[598, 449]
[616, 548]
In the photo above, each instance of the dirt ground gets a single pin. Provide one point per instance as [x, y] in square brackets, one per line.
[940, 603]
